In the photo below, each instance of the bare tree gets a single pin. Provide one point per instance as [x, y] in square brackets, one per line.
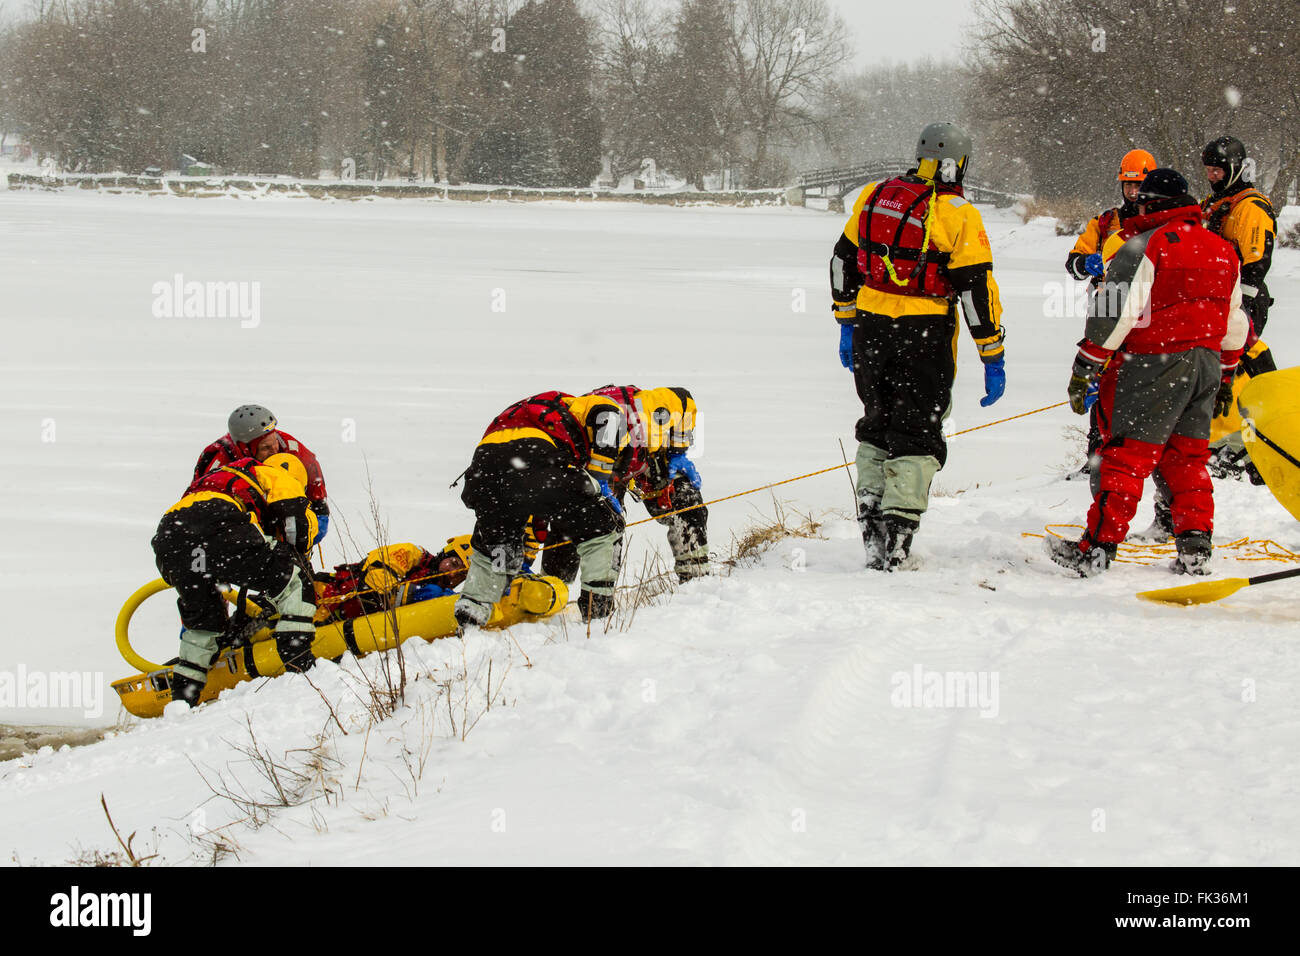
[1070, 85]
[784, 53]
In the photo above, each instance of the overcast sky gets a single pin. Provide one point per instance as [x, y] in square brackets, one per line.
[882, 31]
[899, 31]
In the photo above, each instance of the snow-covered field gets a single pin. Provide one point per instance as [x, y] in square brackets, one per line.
[760, 717]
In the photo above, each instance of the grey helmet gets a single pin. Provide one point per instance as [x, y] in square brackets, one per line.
[250, 422]
[943, 141]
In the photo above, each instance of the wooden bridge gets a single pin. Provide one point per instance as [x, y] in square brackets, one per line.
[833, 183]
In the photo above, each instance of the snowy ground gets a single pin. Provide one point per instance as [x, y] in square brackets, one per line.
[755, 718]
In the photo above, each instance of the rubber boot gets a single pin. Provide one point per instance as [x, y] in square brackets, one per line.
[898, 540]
[1227, 462]
[186, 688]
[1162, 527]
[1085, 558]
[295, 630]
[598, 603]
[1194, 553]
[693, 564]
[874, 534]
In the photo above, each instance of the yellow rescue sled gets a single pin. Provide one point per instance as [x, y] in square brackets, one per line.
[1270, 428]
[530, 598]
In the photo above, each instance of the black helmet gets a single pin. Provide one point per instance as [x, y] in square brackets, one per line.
[1164, 189]
[250, 422]
[1229, 154]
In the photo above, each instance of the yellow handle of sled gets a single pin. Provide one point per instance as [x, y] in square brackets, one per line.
[124, 622]
[142, 594]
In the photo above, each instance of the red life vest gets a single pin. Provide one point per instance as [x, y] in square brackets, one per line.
[633, 462]
[235, 481]
[892, 223]
[547, 413]
[225, 450]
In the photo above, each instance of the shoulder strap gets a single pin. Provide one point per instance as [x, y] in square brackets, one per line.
[252, 482]
[576, 432]
[1103, 227]
[864, 225]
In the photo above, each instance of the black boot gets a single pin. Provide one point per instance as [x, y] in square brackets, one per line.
[898, 540]
[295, 651]
[1090, 560]
[594, 605]
[1194, 553]
[689, 568]
[872, 523]
[1226, 462]
[1162, 528]
[471, 613]
[186, 689]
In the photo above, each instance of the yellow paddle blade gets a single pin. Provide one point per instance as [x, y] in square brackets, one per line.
[1203, 592]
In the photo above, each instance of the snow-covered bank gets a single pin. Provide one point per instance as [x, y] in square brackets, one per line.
[769, 716]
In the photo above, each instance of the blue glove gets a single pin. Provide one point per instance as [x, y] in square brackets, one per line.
[1090, 396]
[609, 496]
[527, 567]
[322, 525]
[995, 381]
[679, 464]
[425, 592]
[846, 346]
[1093, 265]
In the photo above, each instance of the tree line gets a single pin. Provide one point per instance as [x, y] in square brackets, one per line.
[1061, 89]
[736, 92]
[532, 93]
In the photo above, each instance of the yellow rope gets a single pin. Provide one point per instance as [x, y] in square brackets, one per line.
[847, 464]
[1243, 549]
[705, 504]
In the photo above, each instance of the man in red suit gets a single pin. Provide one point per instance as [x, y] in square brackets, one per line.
[1168, 316]
[252, 433]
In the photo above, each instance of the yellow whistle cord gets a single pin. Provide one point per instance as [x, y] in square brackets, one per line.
[925, 244]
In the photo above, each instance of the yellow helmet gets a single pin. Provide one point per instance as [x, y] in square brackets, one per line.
[669, 417]
[290, 463]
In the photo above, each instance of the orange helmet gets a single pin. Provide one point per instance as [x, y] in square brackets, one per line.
[1135, 165]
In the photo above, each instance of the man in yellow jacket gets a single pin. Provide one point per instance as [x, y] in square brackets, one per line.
[248, 524]
[912, 250]
[1086, 260]
[1243, 215]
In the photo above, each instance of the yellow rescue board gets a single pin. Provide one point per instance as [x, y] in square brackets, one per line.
[146, 694]
[1270, 405]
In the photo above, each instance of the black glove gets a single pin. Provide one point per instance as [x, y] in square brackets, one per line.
[1081, 377]
[1223, 401]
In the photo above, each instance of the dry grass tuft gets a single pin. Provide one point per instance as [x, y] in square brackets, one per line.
[766, 532]
[1071, 215]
